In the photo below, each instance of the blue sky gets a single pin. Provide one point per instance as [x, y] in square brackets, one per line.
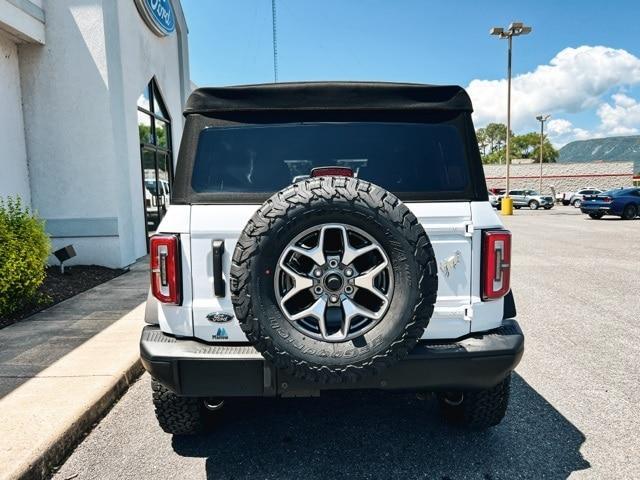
[589, 91]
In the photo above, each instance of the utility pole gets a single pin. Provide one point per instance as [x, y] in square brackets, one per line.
[275, 40]
[541, 119]
[514, 30]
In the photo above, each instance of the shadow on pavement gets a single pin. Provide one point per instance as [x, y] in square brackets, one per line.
[30, 346]
[384, 435]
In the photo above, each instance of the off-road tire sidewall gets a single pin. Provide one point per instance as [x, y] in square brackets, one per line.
[334, 200]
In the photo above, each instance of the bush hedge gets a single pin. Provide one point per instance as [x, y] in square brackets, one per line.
[24, 248]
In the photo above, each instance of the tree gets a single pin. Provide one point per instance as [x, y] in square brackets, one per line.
[528, 146]
[483, 141]
[496, 136]
[492, 141]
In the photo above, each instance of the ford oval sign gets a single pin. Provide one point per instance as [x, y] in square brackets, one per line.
[158, 15]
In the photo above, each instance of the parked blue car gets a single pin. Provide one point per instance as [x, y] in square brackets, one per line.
[623, 202]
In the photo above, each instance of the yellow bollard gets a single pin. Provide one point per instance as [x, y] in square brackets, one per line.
[506, 206]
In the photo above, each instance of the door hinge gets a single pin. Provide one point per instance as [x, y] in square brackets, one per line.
[468, 229]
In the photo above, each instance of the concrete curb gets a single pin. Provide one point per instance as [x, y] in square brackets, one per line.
[44, 417]
[63, 446]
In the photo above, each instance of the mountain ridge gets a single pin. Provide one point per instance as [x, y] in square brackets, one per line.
[606, 149]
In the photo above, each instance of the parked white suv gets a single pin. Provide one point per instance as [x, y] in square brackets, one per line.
[576, 198]
[383, 266]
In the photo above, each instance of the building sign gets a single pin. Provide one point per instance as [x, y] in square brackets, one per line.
[158, 15]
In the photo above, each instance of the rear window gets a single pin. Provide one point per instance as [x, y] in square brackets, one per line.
[404, 158]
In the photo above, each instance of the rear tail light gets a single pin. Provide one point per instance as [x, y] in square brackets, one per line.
[165, 268]
[496, 267]
[332, 172]
[607, 199]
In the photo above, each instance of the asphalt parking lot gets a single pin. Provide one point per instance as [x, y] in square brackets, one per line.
[574, 397]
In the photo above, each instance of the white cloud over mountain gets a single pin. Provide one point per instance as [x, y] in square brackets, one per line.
[575, 80]
[621, 118]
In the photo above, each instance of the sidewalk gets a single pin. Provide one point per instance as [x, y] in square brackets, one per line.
[62, 368]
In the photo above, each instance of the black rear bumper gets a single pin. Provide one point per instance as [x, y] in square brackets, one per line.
[193, 368]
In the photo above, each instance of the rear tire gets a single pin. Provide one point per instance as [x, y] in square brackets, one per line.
[178, 415]
[534, 205]
[596, 216]
[476, 409]
[577, 202]
[630, 212]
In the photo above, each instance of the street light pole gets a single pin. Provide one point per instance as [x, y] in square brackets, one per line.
[514, 30]
[541, 119]
[507, 158]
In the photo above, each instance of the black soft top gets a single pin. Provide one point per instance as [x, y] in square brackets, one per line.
[328, 96]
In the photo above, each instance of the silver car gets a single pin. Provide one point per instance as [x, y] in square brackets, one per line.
[531, 199]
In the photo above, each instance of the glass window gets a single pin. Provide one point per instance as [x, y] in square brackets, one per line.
[400, 157]
[161, 134]
[143, 99]
[154, 129]
[144, 128]
[158, 106]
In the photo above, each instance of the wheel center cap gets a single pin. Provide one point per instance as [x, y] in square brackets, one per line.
[333, 282]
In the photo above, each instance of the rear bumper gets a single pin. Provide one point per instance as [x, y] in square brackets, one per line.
[193, 368]
[597, 208]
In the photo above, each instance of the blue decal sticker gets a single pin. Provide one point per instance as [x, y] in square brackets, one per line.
[221, 334]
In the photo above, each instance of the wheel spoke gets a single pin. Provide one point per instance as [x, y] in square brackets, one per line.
[317, 311]
[352, 309]
[366, 280]
[300, 282]
[316, 253]
[350, 253]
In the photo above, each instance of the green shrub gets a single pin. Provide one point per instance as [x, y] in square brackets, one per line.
[24, 247]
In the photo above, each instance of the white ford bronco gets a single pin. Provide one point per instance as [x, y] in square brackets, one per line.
[328, 236]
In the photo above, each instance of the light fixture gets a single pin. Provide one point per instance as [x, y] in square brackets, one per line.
[64, 254]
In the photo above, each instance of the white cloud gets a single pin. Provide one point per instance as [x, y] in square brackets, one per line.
[621, 118]
[574, 80]
[561, 131]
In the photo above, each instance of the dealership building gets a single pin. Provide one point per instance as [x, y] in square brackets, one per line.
[92, 93]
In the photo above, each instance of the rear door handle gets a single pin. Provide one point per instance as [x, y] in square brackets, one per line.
[217, 249]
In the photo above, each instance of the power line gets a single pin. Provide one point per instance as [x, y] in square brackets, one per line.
[275, 41]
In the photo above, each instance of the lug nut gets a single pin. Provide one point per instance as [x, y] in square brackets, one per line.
[318, 290]
[317, 272]
[333, 263]
[348, 272]
[348, 289]
[334, 299]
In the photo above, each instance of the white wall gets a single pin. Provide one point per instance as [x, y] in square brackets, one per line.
[143, 56]
[80, 96]
[565, 177]
[14, 176]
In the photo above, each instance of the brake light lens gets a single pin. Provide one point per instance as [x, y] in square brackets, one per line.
[496, 268]
[607, 199]
[332, 172]
[165, 268]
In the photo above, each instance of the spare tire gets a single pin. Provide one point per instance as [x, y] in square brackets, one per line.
[333, 279]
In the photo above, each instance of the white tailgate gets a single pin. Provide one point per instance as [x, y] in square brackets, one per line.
[448, 225]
